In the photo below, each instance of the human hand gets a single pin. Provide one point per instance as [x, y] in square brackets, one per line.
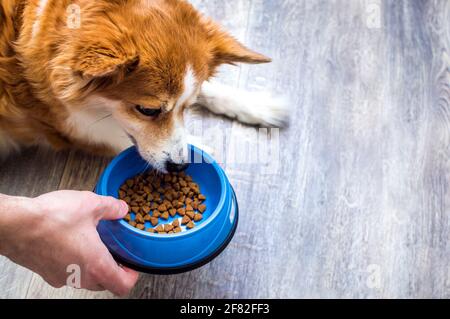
[48, 233]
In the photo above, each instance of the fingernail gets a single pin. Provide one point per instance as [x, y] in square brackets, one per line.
[124, 207]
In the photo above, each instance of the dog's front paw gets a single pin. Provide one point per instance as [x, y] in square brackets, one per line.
[260, 108]
[254, 108]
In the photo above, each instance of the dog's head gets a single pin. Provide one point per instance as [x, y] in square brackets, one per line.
[150, 57]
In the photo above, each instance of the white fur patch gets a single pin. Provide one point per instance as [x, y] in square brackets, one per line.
[37, 22]
[178, 142]
[254, 108]
[189, 90]
[95, 124]
[175, 147]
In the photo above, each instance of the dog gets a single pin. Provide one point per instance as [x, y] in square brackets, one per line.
[102, 75]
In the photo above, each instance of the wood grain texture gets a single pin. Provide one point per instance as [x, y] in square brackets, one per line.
[360, 203]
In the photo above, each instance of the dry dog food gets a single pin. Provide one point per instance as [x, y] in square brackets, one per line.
[155, 198]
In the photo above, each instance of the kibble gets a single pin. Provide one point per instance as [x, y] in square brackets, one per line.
[168, 227]
[202, 208]
[190, 214]
[172, 212]
[139, 218]
[165, 215]
[185, 220]
[190, 225]
[154, 221]
[155, 198]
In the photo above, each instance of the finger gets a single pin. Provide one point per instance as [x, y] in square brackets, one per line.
[110, 208]
[119, 280]
[94, 287]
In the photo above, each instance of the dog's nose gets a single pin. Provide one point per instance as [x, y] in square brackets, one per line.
[173, 167]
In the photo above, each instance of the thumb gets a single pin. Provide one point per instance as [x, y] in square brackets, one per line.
[110, 208]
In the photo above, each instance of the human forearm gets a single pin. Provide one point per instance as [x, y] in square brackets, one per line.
[51, 232]
[13, 212]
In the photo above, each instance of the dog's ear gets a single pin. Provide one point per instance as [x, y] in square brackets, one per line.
[99, 60]
[226, 49]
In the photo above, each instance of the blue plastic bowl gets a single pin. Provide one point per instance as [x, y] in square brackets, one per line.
[175, 253]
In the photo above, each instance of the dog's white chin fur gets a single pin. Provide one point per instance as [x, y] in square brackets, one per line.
[254, 108]
[95, 124]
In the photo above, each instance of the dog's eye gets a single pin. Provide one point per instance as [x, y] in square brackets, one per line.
[148, 112]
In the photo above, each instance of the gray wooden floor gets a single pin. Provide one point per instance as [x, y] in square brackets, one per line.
[361, 204]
